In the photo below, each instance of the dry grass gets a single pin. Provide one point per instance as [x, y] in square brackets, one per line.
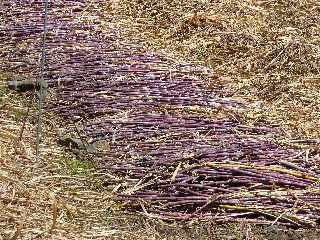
[59, 197]
[268, 51]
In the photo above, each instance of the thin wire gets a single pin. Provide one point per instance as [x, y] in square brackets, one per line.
[41, 81]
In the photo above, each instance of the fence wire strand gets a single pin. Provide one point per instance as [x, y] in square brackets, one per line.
[41, 80]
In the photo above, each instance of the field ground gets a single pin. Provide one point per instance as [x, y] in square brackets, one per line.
[268, 60]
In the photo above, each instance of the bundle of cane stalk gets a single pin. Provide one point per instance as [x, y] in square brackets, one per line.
[179, 157]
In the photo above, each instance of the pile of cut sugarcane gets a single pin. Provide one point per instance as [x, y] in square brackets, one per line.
[177, 156]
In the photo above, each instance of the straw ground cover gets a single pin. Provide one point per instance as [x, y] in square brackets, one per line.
[35, 197]
[268, 51]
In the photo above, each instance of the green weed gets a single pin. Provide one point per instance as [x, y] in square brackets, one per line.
[76, 166]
